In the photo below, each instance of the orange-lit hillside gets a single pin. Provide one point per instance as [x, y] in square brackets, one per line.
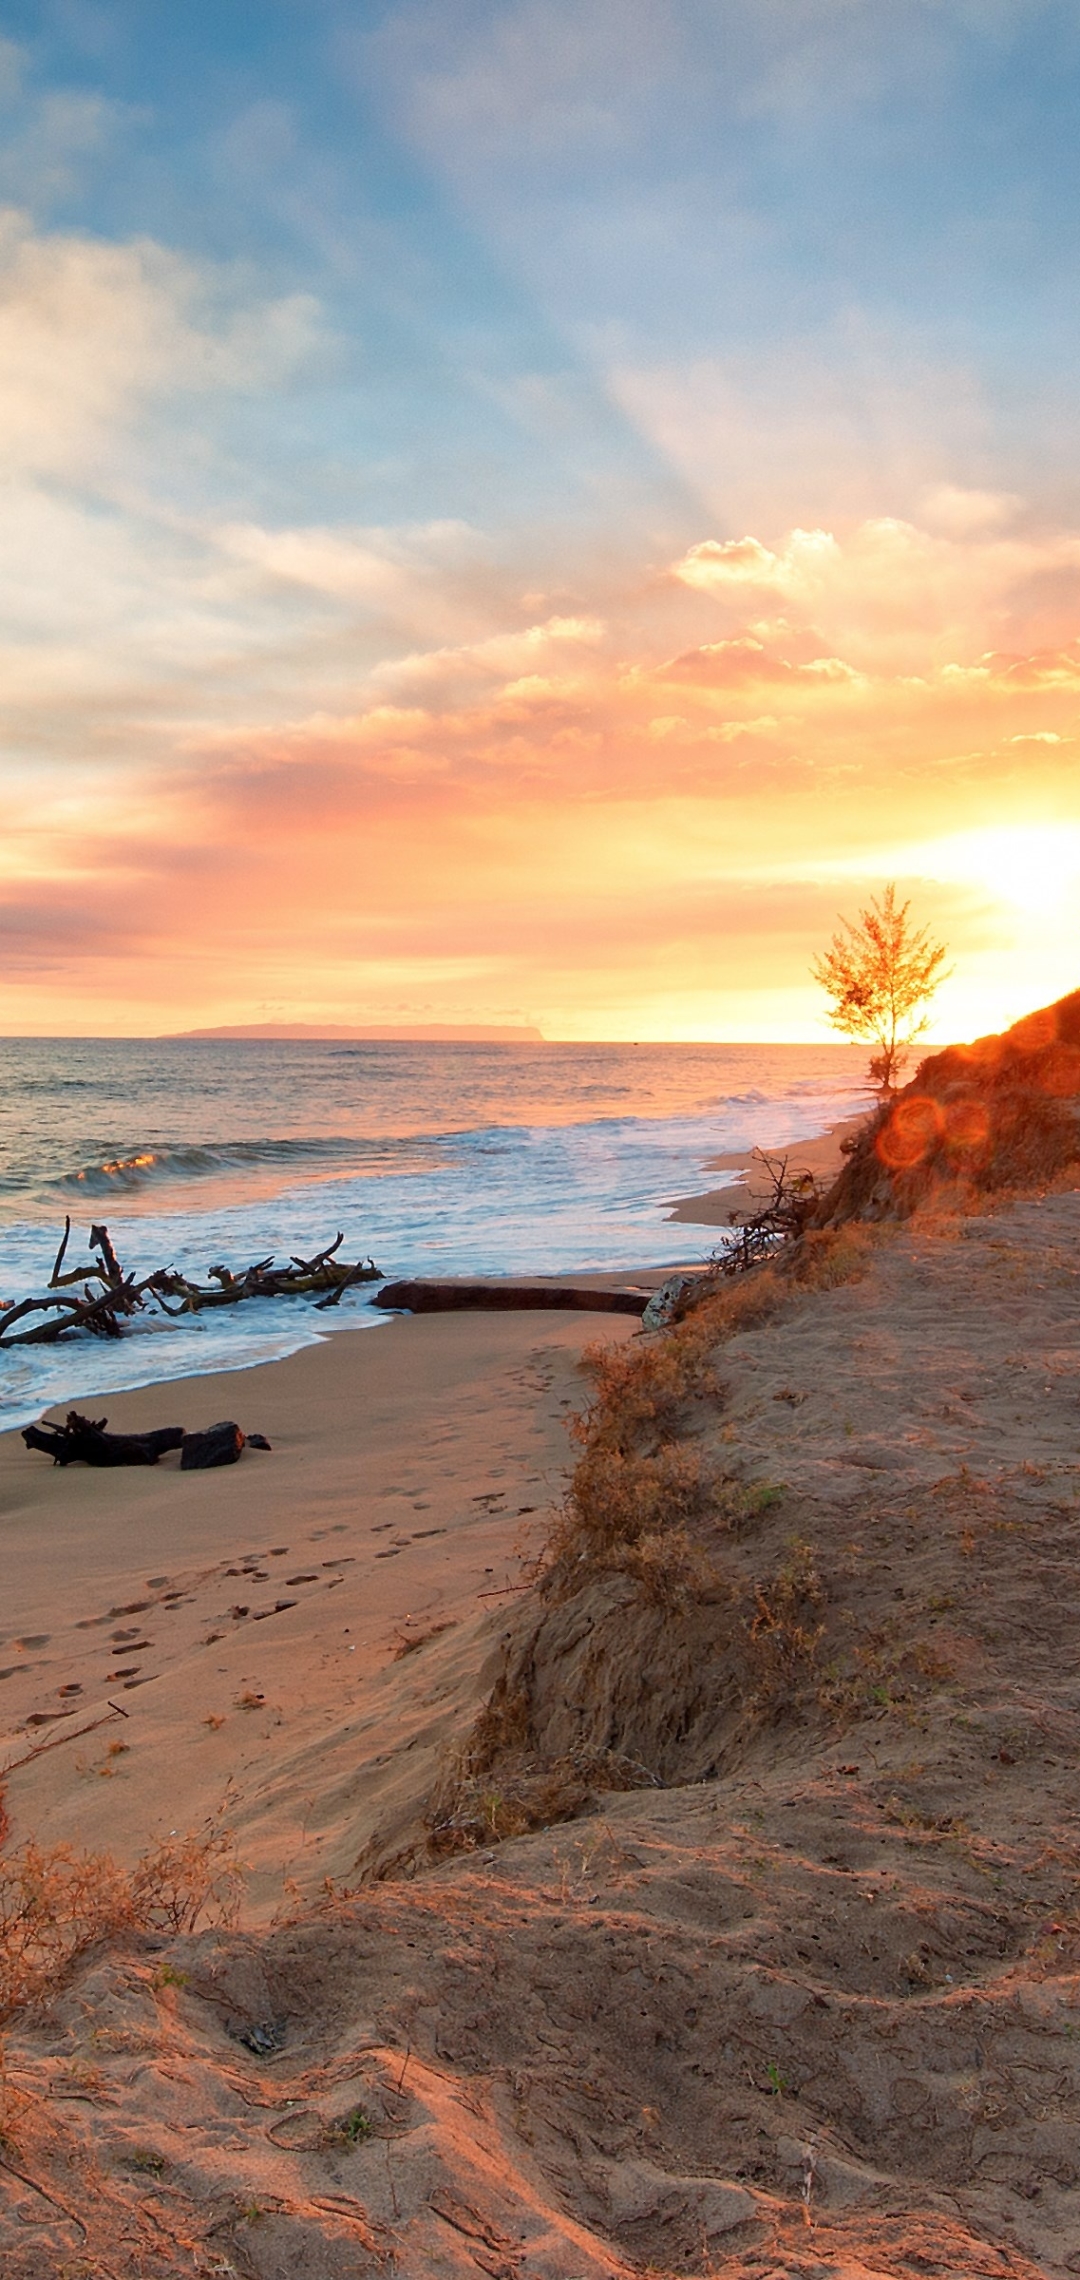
[999, 1113]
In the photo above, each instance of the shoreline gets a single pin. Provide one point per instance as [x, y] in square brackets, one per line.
[727, 1205]
[746, 1190]
[243, 1641]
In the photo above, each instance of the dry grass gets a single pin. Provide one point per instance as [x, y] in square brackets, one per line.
[825, 1257]
[958, 1142]
[55, 1904]
[640, 1492]
[639, 1489]
[784, 1632]
[474, 1812]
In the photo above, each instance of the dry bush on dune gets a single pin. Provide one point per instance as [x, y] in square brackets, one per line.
[639, 1488]
[55, 1904]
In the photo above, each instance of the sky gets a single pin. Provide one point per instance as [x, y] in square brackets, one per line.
[528, 510]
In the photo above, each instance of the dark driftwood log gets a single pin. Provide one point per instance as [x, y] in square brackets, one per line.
[219, 1445]
[500, 1297]
[83, 1440]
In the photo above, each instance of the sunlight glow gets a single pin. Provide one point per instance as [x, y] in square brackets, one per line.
[1036, 867]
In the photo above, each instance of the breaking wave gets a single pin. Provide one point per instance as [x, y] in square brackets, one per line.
[138, 1168]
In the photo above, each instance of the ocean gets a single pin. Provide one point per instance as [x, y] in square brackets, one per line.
[433, 1159]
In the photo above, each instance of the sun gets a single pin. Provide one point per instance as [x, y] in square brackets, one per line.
[1034, 866]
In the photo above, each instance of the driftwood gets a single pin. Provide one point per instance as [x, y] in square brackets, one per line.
[499, 1297]
[301, 1278]
[219, 1445]
[101, 1310]
[782, 1217]
[84, 1441]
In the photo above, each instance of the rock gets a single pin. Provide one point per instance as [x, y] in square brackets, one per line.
[670, 1302]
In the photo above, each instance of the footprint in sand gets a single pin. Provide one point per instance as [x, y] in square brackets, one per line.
[40, 1639]
[420, 1533]
[390, 1552]
[311, 1577]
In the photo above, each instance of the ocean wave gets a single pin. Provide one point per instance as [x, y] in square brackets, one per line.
[141, 1167]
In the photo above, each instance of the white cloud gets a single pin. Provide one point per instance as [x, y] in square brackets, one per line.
[503, 656]
[887, 593]
[91, 330]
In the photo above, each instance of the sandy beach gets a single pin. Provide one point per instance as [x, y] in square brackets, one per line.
[246, 1621]
[250, 1635]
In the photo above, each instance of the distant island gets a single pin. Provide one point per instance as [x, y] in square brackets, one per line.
[320, 1032]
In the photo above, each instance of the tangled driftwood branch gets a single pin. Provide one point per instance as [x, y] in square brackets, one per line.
[109, 1295]
[263, 1280]
[782, 1217]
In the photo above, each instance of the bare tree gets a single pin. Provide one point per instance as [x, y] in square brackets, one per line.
[881, 974]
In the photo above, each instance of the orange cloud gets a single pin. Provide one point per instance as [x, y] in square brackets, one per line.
[637, 811]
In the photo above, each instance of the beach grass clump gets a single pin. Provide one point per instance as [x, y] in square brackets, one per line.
[56, 1904]
[826, 1257]
[483, 1805]
[784, 1630]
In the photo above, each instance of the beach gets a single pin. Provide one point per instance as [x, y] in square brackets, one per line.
[249, 1636]
[243, 1643]
[803, 1998]
[407, 1468]
[776, 1959]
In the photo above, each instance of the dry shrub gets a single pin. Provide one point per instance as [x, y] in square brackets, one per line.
[472, 1813]
[637, 1491]
[504, 1724]
[825, 1257]
[784, 1631]
[734, 1305]
[618, 1497]
[964, 1138]
[641, 1388]
[889, 1669]
[55, 1904]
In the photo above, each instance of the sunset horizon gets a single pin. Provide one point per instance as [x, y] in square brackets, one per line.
[525, 514]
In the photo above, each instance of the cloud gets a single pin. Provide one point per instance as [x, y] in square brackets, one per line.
[91, 331]
[888, 594]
